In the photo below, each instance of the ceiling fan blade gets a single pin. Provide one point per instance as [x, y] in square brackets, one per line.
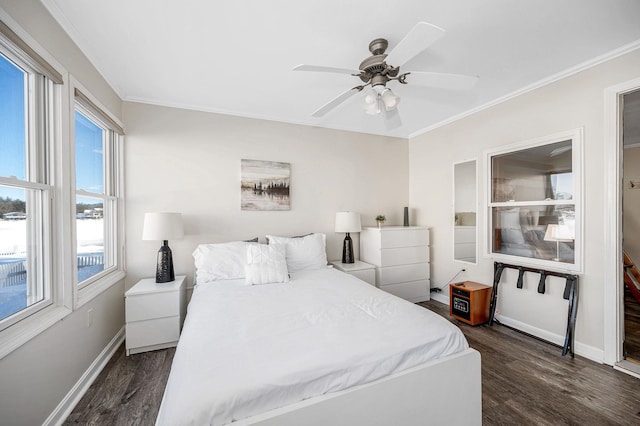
[442, 80]
[419, 38]
[391, 118]
[335, 102]
[320, 68]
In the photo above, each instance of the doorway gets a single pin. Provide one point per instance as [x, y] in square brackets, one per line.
[630, 112]
[631, 225]
[613, 289]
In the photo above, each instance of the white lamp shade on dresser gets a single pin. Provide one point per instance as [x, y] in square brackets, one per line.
[162, 226]
[348, 222]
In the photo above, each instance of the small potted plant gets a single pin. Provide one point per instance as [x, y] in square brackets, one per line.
[380, 219]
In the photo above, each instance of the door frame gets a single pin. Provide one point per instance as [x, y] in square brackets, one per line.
[613, 319]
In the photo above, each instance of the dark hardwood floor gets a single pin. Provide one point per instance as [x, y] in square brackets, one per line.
[525, 381]
[631, 327]
[127, 392]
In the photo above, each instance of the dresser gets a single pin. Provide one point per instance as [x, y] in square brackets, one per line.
[400, 255]
[154, 313]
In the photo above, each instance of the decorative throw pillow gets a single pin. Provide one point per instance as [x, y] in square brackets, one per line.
[302, 253]
[266, 264]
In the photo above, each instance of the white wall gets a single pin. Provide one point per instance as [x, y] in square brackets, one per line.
[189, 161]
[36, 377]
[573, 102]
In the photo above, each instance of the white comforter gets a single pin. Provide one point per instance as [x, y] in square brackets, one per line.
[246, 350]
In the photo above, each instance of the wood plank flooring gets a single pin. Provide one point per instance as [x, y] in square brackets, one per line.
[524, 382]
[631, 327]
[127, 392]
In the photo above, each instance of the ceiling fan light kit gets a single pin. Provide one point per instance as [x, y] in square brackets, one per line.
[376, 71]
[371, 102]
[377, 97]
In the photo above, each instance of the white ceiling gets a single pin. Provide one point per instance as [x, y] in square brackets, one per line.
[235, 57]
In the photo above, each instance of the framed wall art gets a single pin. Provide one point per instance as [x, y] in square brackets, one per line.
[264, 185]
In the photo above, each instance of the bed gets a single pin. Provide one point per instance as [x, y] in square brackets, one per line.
[294, 342]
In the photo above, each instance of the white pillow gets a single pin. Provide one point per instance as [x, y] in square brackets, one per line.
[308, 252]
[266, 264]
[224, 261]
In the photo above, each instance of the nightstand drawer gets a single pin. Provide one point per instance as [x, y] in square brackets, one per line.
[153, 332]
[366, 275]
[152, 305]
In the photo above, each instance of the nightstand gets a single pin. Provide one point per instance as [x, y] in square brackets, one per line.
[154, 313]
[358, 269]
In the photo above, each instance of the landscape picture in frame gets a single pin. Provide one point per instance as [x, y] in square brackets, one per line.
[264, 185]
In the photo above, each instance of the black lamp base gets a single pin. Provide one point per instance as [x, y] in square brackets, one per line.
[164, 269]
[347, 250]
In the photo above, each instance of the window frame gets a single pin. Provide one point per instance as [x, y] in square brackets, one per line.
[577, 161]
[37, 181]
[83, 101]
[54, 164]
[45, 130]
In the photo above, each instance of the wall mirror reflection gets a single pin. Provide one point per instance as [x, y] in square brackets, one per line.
[465, 206]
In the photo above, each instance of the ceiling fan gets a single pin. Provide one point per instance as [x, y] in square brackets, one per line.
[381, 68]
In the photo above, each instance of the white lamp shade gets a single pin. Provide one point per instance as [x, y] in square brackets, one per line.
[348, 222]
[162, 226]
[563, 233]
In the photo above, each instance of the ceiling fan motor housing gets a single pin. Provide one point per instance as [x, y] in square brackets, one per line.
[374, 69]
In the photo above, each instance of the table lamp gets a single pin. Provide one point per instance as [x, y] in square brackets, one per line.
[348, 222]
[559, 233]
[163, 227]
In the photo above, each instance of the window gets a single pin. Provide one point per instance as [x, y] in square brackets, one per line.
[534, 207]
[37, 248]
[97, 145]
[25, 190]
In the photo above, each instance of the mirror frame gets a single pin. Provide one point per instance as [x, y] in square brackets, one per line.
[475, 204]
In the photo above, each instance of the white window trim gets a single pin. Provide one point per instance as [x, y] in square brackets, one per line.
[106, 279]
[576, 136]
[59, 304]
[65, 296]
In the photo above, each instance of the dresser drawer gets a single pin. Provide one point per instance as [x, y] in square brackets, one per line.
[398, 274]
[391, 238]
[404, 255]
[152, 305]
[153, 332]
[413, 291]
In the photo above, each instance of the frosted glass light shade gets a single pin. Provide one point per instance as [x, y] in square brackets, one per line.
[389, 99]
[348, 222]
[371, 102]
[162, 226]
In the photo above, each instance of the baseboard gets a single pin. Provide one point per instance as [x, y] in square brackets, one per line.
[439, 297]
[589, 352]
[68, 403]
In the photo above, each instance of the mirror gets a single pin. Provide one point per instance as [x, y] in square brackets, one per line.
[465, 206]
